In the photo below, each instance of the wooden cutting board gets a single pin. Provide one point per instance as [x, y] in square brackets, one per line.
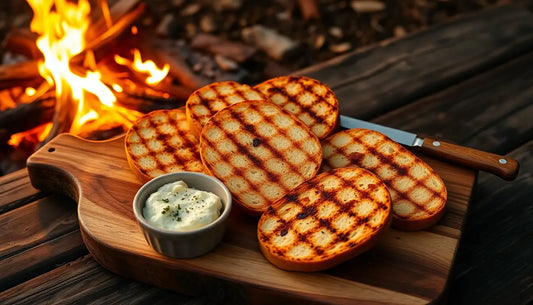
[404, 268]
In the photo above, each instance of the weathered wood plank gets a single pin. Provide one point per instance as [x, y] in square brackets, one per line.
[35, 223]
[16, 190]
[40, 259]
[495, 255]
[84, 282]
[373, 81]
[492, 111]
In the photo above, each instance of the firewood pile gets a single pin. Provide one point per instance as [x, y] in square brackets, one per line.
[200, 41]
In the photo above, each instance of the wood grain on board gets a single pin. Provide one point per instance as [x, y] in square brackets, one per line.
[97, 175]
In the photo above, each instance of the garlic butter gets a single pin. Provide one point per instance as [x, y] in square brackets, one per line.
[175, 206]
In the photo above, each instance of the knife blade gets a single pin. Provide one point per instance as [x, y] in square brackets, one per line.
[501, 166]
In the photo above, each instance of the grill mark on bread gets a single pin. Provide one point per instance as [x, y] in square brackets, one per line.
[237, 171]
[166, 148]
[184, 157]
[264, 142]
[310, 98]
[201, 105]
[294, 99]
[240, 127]
[399, 166]
[222, 97]
[291, 211]
[402, 170]
[356, 158]
[259, 163]
[311, 211]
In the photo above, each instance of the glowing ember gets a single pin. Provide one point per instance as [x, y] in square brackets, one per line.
[30, 91]
[36, 135]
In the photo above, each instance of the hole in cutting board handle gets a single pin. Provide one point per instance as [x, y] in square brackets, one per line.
[51, 149]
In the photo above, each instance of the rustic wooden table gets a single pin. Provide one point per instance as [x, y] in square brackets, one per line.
[469, 81]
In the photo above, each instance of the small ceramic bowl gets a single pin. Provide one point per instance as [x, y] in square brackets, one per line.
[186, 244]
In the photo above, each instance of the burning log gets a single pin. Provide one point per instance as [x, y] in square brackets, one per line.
[145, 103]
[103, 37]
[24, 74]
[26, 116]
[64, 114]
[22, 41]
[133, 85]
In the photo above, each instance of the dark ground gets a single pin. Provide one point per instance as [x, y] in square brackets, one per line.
[338, 29]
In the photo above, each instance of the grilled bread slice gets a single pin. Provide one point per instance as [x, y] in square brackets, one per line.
[326, 220]
[203, 103]
[160, 142]
[259, 151]
[418, 193]
[310, 100]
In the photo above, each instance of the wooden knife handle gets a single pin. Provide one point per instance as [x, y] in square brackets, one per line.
[502, 166]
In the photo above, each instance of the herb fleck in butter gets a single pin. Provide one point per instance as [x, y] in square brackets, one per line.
[164, 208]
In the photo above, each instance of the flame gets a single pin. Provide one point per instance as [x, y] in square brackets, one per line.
[38, 133]
[148, 67]
[62, 26]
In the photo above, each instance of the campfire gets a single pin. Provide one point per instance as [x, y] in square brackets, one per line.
[92, 69]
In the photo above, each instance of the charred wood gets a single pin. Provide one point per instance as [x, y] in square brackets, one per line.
[274, 44]
[20, 74]
[104, 38]
[216, 45]
[26, 116]
[22, 41]
[177, 56]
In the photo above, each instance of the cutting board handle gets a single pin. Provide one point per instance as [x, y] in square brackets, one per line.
[63, 164]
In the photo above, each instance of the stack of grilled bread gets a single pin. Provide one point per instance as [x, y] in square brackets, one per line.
[268, 144]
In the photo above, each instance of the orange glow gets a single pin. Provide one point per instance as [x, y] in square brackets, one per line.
[155, 75]
[39, 133]
[62, 26]
[134, 30]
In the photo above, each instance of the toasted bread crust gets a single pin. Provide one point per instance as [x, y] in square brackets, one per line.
[417, 191]
[325, 221]
[160, 142]
[203, 103]
[310, 100]
[259, 151]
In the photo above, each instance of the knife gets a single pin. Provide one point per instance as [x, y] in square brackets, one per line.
[501, 166]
